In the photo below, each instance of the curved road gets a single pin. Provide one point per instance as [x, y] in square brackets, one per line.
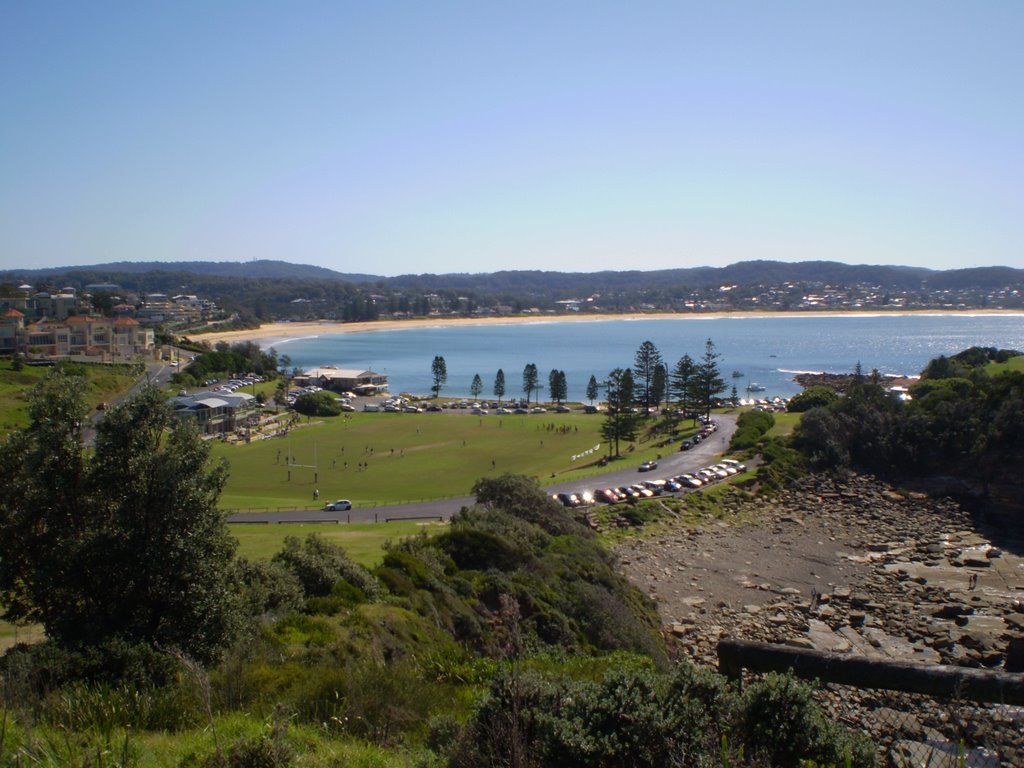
[675, 463]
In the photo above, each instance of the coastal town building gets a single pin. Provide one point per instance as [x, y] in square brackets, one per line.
[217, 413]
[361, 382]
[100, 338]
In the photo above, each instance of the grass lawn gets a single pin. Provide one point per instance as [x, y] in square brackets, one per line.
[785, 423]
[363, 542]
[408, 457]
[105, 382]
[1013, 364]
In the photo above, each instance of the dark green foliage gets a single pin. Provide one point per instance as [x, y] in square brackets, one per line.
[531, 380]
[812, 397]
[707, 381]
[960, 422]
[270, 749]
[243, 357]
[523, 497]
[321, 403]
[620, 423]
[266, 588]
[499, 384]
[645, 364]
[639, 717]
[125, 542]
[319, 565]
[781, 464]
[781, 725]
[36, 669]
[751, 427]
[517, 545]
[472, 549]
[439, 373]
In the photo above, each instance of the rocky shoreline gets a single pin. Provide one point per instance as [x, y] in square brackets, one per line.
[850, 566]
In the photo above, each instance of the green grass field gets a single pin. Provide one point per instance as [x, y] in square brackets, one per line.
[414, 457]
[1013, 364]
[363, 542]
[785, 423]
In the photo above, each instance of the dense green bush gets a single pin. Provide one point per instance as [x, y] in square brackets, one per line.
[812, 397]
[751, 426]
[319, 565]
[266, 588]
[321, 403]
[640, 717]
[781, 725]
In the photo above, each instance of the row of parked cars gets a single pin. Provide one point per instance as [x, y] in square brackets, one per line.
[647, 489]
[233, 384]
[705, 432]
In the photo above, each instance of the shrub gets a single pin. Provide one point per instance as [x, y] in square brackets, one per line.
[320, 403]
[319, 565]
[781, 725]
[751, 426]
[812, 397]
[266, 587]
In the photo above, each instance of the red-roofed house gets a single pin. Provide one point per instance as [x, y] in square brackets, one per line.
[77, 336]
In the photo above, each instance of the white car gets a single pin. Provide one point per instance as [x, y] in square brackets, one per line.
[341, 505]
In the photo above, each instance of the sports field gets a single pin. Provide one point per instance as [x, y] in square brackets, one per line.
[389, 458]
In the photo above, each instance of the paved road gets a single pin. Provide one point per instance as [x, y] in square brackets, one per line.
[673, 463]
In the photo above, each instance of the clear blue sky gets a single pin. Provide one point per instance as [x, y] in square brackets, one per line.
[395, 137]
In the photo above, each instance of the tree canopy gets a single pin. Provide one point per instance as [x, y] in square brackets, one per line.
[124, 542]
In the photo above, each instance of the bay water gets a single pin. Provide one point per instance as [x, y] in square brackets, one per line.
[765, 351]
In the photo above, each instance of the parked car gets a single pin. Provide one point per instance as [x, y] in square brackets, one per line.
[656, 486]
[627, 493]
[689, 481]
[341, 505]
[685, 445]
[563, 409]
[607, 495]
[647, 466]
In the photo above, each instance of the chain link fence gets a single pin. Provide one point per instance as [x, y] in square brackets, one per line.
[915, 730]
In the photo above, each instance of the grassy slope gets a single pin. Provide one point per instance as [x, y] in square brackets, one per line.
[104, 384]
[1013, 364]
[784, 424]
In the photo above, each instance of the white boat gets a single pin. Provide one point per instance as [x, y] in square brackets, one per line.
[755, 387]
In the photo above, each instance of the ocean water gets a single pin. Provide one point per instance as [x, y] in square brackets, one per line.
[767, 351]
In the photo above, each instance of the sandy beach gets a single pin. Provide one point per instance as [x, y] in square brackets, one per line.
[272, 333]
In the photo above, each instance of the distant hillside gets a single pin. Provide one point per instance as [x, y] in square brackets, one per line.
[744, 273]
[274, 270]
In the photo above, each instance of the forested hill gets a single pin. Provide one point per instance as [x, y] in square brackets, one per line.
[740, 273]
[265, 268]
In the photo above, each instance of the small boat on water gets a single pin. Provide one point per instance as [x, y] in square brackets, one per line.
[737, 374]
[755, 387]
